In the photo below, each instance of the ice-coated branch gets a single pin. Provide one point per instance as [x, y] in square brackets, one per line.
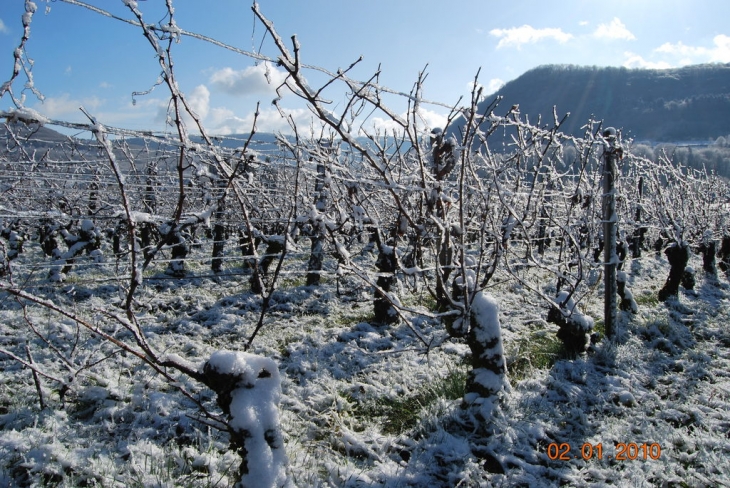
[20, 57]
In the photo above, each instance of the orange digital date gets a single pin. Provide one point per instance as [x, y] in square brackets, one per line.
[624, 451]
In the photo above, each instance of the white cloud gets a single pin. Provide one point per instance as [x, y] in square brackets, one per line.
[680, 54]
[383, 125]
[517, 36]
[199, 100]
[65, 107]
[494, 85]
[428, 119]
[432, 119]
[719, 53]
[146, 103]
[634, 60]
[219, 117]
[680, 49]
[615, 30]
[3, 27]
[147, 113]
[224, 121]
[259, 79]
[491, 87]
[470, 87]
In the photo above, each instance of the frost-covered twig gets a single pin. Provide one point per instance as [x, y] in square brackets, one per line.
[21, 64]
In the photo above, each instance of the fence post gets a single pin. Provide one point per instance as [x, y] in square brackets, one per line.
[321, 192]
[219, 229]
[612, 153]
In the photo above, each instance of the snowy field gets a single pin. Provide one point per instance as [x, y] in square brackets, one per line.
[367, 405]
[174, 366]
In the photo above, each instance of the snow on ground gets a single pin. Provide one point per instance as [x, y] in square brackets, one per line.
[366, 405]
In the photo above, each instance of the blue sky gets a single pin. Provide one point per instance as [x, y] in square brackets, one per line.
[84, 59]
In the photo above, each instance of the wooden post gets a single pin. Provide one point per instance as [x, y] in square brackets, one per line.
[637, 239]
[219, 230]
[321, 190]
[612, 153]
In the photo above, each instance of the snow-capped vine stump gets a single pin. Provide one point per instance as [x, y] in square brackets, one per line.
[179, 249]
[724, 254]
[275, 245]
[15, 242]
[4, 261]
[628, 303]
[248, 389]
[678, 256]
[708, 249]
[87, 239]
[488, 376]
[688, 278]
[386, 263]
[575, 326]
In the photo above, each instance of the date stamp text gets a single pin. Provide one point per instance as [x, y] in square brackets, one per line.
[625, 451]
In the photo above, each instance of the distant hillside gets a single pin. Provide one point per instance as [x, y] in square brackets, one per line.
[41, 136]
[684, 104]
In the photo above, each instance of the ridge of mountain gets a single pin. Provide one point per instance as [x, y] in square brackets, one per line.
[691, 103]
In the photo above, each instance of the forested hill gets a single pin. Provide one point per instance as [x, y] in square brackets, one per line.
[683, 104]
